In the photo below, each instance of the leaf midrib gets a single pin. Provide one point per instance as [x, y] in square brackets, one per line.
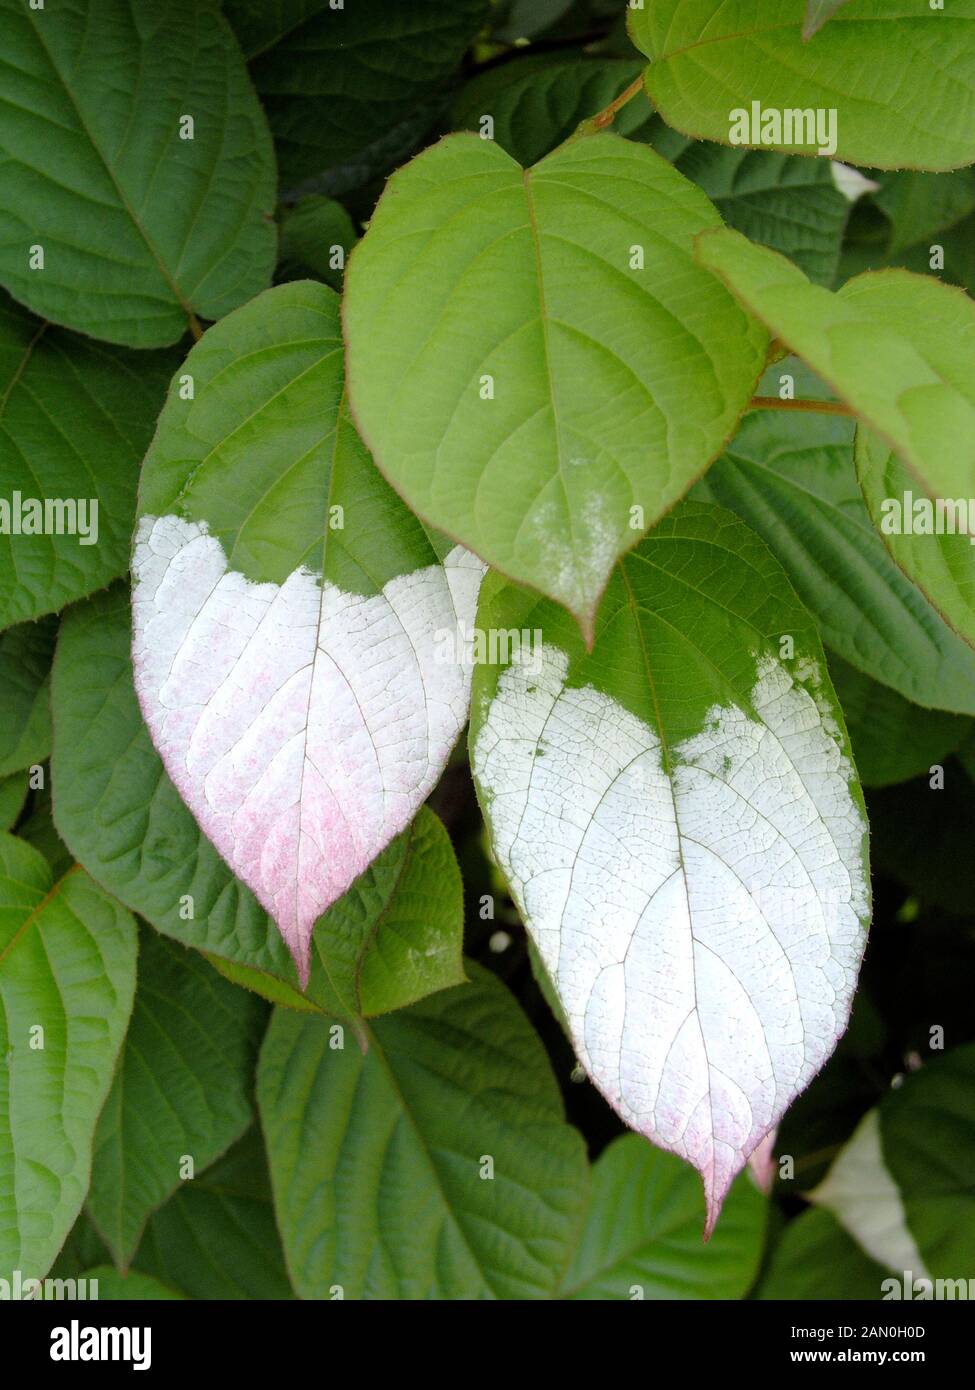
[376, 1047]
[36, 911]
[669, 770]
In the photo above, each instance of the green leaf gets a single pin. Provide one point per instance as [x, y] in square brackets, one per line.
[116, 1287]
[643, 1234]
[817, 13]
[141, 227]
[379, 1161]
[898, 348]
[537, 102]
[315, 233]
[613, 388]
[678, 817]
[26, 652]
[919, 205]
[299, 648]
[916, 109]
[333, 82]
[949, 253]
[932, 542]
[75, 420]
[892, 739]
[785, 202]
[791, 476]
[182, 1089]
[125, 821]
[216, 1238]
[67, 966]
[902, 1185]
[394, 937]
[816, 1259]
[13, 794]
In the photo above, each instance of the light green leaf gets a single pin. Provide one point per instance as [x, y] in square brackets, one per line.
[791, 476]
[26, 652]
[216, 1238]
[526, 390]
[125, 821]
[537, 102]
[899, 79]
[892, 739]
[784, 201]
[140, 225]
[315, 233]
[932, 542]
[333, 82]
[182, 1089]
[898, 348]
[75, 420]
[378, 1160]
[299, 648]
[679, 820]
[816, 1259]
[67, 966]
[643, 1233]
[902, 1186]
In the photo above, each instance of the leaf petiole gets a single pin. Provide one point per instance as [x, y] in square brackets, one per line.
[821, 407]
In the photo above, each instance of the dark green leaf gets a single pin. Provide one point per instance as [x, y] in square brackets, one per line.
[182, 1090]
[642, 1238]
[791, 476]
[334, 81]
[316, 236]
[437, 1165]
[216, 1237]
[892, 739]
[75, 420]
[26, 652]
[67, 968]
[816, 1259]
[140, 226]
